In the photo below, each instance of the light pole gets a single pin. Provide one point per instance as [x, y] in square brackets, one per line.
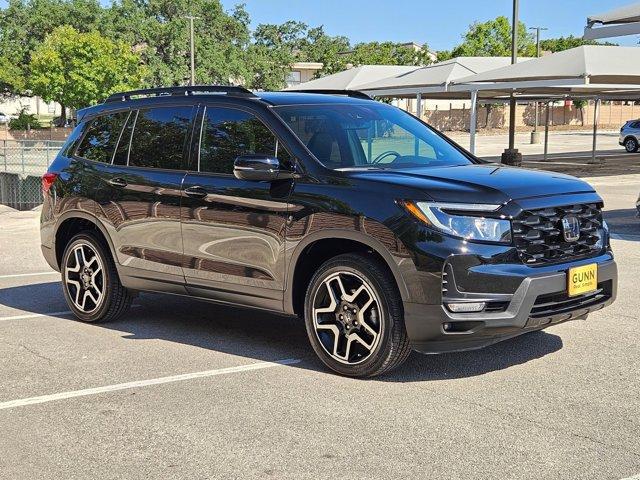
[511, 156]
[535, 138]
[191, 18]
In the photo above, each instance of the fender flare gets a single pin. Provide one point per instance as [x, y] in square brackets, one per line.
[333, 234]
[83, 214]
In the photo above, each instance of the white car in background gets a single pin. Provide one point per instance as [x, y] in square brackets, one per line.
[630, 136]
[4, 118]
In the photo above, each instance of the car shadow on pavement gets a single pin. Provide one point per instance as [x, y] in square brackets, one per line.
[624, 222]
[265, 336]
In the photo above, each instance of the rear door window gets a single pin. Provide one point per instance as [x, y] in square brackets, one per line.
[101, 138]
[228, 133]
[160, 137]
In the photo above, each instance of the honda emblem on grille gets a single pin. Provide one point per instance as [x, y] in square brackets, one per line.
[571, 228]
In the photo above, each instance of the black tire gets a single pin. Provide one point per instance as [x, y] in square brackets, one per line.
[392, 347]
[115, 299]
[631, 145]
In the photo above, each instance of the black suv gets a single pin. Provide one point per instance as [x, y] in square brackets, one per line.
[378, 231]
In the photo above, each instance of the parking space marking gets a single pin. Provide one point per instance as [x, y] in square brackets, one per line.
[34, 315]
[35, 274]
[145, 383]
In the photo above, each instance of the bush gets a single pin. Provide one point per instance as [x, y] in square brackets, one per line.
[24, 121]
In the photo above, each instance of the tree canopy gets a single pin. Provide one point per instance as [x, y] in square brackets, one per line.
[493, 39]
[78, 69]
[156, 34]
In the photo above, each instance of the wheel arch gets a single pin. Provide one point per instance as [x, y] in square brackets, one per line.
[71, 223]
[345, 241]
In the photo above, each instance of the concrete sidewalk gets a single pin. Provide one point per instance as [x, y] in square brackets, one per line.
[560, 142]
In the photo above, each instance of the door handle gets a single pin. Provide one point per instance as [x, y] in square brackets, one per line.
[118, 182]
[195, 192]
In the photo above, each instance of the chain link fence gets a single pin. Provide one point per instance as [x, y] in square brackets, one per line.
[22, 164]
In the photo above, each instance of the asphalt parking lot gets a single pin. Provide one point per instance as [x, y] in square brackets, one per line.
[186, 389]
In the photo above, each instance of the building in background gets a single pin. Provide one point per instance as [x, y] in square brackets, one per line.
[13, 105]
[302, 72]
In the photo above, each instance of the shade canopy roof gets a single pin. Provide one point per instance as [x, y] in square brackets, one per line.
[615, 23]
[353, 78]
[589, 64]
[433, 78]
[627, 14]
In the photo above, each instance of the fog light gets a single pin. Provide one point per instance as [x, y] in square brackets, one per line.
[466, 307]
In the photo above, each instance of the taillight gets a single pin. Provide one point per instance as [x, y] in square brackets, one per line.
[47, 181]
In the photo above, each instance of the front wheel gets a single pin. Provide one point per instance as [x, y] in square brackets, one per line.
[90, 280]
[354, 317]
[631, 145]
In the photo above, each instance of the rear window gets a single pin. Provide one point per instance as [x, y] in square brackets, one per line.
[160, 137]
[101, 138]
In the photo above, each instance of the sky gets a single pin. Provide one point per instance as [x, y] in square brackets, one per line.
[439, 23]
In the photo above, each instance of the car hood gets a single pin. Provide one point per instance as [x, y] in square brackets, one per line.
[486, 183]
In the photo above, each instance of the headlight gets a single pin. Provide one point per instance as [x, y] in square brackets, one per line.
[477, 227]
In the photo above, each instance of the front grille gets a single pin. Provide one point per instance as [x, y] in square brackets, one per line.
[539, 238]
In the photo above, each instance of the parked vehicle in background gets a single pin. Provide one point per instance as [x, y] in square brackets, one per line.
[638, 205]
[378, 231]
[4, 118]
[630, 136]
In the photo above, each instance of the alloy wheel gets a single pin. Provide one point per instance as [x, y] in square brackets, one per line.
[84, 278]
[631, 145]
[347, 317]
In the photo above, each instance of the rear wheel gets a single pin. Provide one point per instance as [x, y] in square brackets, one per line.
[354, 317]
[631, 145]
[90, 280]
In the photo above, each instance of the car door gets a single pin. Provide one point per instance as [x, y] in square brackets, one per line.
[141, 194]
[233, 230]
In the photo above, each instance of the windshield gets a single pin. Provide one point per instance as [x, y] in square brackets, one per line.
[372, 135]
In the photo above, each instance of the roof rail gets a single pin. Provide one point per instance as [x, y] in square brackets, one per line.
[348, 93]
[190, 90]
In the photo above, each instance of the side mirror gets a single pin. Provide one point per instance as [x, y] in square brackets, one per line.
[260, 168]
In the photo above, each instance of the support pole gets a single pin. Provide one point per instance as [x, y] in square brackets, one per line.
[596, 119]
[473, 120]
[511, 156]
[546, 133]
[192, 54]
[419, 115]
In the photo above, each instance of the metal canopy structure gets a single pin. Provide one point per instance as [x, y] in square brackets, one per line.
[588, 72]
[615, 23]
[353, 78]
[433, 78]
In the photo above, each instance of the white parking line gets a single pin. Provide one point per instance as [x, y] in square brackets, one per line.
[18, 275]
[34, 315]
[144, 383]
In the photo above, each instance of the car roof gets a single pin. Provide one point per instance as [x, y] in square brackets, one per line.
[303, 98]
[269, 98]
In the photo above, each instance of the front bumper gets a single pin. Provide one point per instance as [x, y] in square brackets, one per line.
[539, 301]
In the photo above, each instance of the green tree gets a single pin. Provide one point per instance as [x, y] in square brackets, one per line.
[78, 69]
[493, 39]
[317, 46]
[160, 32]
[388, 53]
[25, 23]
[565, 43]
[274, 49]
[11, 78]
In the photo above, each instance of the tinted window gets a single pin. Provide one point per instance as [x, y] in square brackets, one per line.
[368, 135]
[160, 136]
[228, 133]
[102, 135]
